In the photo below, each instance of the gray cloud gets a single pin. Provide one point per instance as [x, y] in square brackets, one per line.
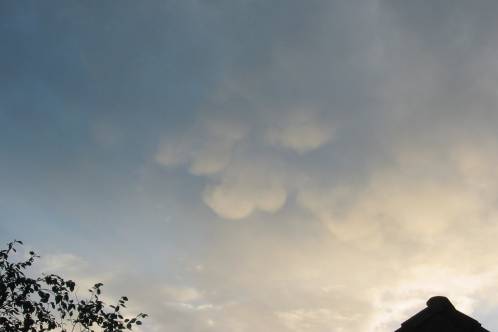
[354, 143]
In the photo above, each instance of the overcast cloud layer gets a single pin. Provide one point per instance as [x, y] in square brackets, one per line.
[238, 166]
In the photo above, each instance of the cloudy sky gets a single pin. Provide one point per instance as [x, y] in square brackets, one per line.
[256, 165]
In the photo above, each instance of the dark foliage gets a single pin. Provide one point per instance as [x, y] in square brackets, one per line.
[48, 302]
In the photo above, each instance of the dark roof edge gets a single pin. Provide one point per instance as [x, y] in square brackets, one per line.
[438, 305]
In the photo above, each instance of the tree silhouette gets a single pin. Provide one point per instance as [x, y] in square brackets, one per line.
[48, 302]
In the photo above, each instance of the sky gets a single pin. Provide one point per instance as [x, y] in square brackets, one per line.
[256, 165]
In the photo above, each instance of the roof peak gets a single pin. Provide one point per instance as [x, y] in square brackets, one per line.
[440, 303]
[440, 315]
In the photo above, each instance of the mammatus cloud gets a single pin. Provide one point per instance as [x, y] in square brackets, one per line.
[301, 131]
[206, 150]
[238, 185]
[242, 161]
[419, 223]
[393, 199]
[246, 188]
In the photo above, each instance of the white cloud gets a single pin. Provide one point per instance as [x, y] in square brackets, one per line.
[244, 189]
[308, 319]
[73, 267]
[406, 199]
[181, 294]
[302, 131]
[63, 262]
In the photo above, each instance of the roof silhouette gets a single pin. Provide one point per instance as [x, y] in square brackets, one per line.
[441, 316]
